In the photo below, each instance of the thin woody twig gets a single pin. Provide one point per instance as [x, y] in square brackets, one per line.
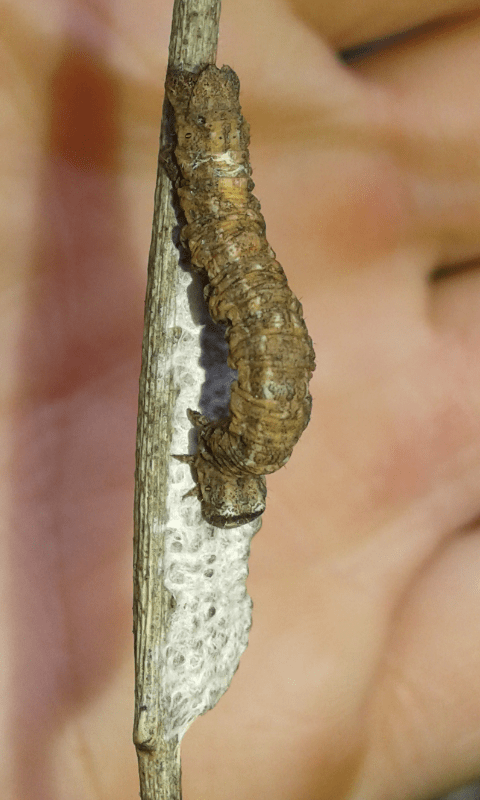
[193, 44]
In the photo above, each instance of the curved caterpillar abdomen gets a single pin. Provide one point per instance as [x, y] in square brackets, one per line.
[247, 290]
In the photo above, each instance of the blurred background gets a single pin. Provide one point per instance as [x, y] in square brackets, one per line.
[471, 792]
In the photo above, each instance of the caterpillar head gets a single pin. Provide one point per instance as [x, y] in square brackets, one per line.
[229, 500]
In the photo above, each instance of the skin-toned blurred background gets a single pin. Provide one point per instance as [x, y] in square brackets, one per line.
[362, 677]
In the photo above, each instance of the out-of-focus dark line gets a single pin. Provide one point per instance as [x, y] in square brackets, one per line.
[452, 271]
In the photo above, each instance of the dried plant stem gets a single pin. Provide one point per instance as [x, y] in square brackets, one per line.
[193, 43]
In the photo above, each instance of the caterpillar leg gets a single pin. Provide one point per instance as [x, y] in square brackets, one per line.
[197, 419]
[167, 160]
[184, 459]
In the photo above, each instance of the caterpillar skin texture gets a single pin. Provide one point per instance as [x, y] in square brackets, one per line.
[247, 290]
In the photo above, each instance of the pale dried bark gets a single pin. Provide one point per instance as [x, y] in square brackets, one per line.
[193, 43]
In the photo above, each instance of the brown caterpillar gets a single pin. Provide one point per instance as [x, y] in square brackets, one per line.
[247, 290]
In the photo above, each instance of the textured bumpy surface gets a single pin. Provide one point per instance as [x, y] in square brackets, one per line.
[247, 290]
[204, 569]
[208, 631]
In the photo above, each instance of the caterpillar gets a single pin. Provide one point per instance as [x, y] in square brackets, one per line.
[247, 290]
